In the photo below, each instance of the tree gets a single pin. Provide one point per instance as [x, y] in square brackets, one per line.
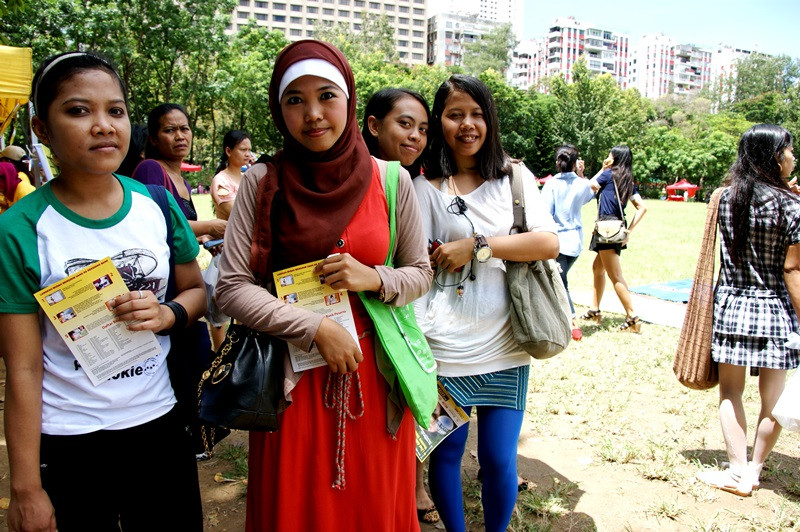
[374, 39]
[490, 51]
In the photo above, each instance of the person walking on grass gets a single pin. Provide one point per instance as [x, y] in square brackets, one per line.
[614, 187]
[757, 299]
[564, 195]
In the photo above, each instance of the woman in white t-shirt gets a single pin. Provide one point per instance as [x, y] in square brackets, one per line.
[83, 457]
[466, 204]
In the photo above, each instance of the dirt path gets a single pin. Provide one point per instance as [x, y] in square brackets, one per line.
[610, 442]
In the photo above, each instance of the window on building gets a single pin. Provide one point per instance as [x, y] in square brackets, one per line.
[296, 33]
[278, 18]
[403, 9]
[417, 57]
[311, 21]
[374, 5]
[403, 55]
[312, 9]
[417, 45]
[390, 19]
[278, 7]
[357, 14]
[390, 7]
[448, 35]
[402, 31]
[244, 3]
[296, 20]
[359, 3]
[310, 34]
[242, 14]
[297, 8]
[261, 16]
[344, 13]
[402, 20]
[419, 22]
[418, 34]
[327, 11]
[262, 5]
[404, 44]
[418, 11]
[356, 26]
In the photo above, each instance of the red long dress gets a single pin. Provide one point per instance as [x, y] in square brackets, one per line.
[291, 471]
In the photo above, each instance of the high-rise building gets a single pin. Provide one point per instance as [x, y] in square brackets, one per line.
[296, 19]
[605, 51]
[448, 35]
[529, 66]
[723, 69]
[501, 11]
[660, 65]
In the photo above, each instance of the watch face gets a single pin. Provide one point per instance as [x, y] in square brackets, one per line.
[483, 254]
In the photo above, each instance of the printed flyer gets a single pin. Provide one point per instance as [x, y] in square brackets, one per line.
[300, 286]
[78, 307]
[446, 418]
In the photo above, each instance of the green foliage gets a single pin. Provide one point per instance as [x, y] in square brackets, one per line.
[490, 51]
[180, 52]
[375, 40]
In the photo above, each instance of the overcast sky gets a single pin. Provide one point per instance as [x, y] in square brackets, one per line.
[770, 26]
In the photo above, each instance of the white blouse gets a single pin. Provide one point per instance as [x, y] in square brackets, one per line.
[471, 334]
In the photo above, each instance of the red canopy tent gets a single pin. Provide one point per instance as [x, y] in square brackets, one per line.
[186, 167]
[674, 190]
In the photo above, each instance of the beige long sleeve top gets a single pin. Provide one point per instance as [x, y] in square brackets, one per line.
[239, 295]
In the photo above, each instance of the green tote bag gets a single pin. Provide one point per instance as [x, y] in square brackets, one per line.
[400, 335]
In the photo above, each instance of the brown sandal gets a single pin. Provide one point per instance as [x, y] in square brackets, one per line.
[430, 515]
[631, 325]
[593, 315]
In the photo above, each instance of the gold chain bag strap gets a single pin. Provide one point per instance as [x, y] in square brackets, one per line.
[693, 365]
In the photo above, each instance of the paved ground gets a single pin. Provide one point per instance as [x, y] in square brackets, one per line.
[649, 309]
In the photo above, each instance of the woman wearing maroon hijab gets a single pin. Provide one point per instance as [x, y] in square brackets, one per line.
[342, 458]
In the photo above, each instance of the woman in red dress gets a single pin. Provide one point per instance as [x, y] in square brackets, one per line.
[342, 458]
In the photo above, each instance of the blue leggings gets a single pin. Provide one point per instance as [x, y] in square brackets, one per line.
[498, 433]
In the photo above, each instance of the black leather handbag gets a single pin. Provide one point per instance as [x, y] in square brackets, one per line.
[243, 387]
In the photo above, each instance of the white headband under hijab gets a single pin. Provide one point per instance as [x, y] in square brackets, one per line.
[312, 67]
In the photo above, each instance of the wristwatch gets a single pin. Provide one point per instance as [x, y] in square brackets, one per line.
[482, 250]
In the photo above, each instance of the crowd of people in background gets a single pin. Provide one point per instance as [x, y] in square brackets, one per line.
[454, 219]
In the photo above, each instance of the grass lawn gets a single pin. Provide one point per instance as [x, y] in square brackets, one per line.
[611, 441]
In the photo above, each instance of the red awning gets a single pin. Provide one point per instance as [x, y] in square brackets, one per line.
[681, 185]
[186, 167]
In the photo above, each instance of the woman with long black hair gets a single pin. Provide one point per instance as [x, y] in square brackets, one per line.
[757, 299]
[614, 187]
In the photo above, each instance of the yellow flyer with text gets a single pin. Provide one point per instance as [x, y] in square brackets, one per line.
[78, 307]
[299, 286]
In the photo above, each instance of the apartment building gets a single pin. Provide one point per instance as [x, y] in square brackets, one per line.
[501, 11]
[723, 69]
[660, 65]
[606, 51]
[449, 34]
[296, 19]
[529, 65]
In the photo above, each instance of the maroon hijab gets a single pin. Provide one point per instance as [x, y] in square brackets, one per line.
[9, 179]
[316, 194]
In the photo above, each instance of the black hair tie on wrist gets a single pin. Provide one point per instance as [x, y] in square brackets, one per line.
[181, 317]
